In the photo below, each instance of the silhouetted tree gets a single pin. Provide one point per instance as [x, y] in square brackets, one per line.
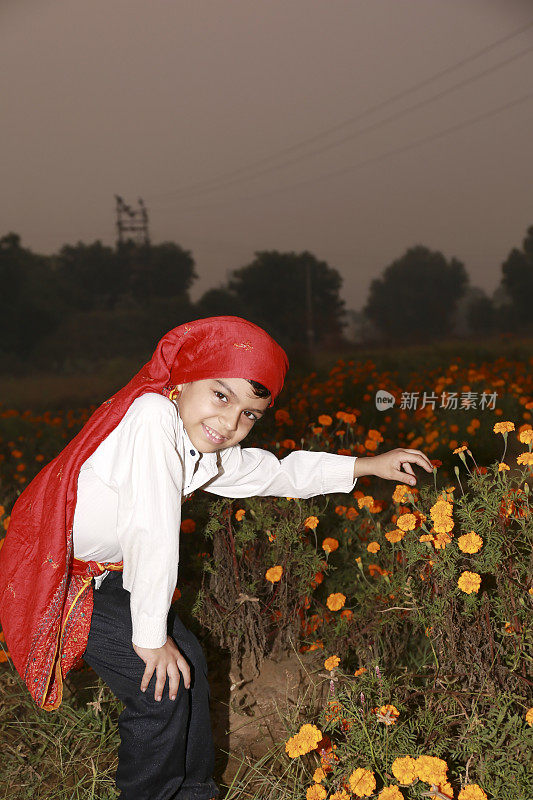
[219, 302]
[517, 280]
[90, 276]
[162, 270]
[481, 315]
[31, 309]
[273, 291]
[417, 295]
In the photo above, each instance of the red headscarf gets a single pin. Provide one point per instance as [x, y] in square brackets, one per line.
[45, 609]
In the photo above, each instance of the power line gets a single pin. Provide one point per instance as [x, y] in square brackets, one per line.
[376, 159]
[232, 175]
[376, 125]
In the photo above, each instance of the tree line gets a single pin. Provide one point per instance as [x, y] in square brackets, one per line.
[92, 301]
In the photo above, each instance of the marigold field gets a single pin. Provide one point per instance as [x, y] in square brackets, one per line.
[407, 610]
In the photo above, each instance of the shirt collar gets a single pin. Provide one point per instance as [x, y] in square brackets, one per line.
[209, 460]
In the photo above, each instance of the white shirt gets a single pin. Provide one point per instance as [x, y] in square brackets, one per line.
[131, 488]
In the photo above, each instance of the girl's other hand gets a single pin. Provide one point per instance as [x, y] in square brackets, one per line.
[166, 660]
[395, 465]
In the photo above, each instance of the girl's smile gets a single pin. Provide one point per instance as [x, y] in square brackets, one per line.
[219, 413]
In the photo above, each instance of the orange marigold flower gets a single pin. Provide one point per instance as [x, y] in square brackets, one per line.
[404, 769]
[304, 741]
[360, 671]
[431, 769]
[406, 522]
[316, 792]
[176, 595]
[274, 574]
[329, 544]
[395, 536]
[319, 775]
[289, 444]
[526, 437]
[332, 662]
[325, 420]
[390, 793]
[503, 427]
[336, 601]
[340, 510]
[443, 525]
[472, 792]
[529, 716]
[469, 582]
[341, 794]
[347, 614]
[239, 514]
[362, 782]
[388, 714]
[373, 547]
[188, 525]
[317, 430]
[352, 513]
[460, 449]
[502, 466]
[470, 542]
[311, 522]
[525, 458]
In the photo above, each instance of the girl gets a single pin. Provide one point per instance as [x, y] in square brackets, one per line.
[90, 560]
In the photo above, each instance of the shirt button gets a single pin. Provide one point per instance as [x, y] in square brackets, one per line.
[192, 452]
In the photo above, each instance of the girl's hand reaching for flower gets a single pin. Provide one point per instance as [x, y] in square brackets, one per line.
[395, 465]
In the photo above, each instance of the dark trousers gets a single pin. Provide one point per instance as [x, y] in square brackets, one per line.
[166, 749]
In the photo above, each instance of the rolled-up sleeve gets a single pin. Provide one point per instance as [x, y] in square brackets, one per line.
[249, 472]
[141, 462]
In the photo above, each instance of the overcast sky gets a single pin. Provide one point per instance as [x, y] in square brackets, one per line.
[351, 128]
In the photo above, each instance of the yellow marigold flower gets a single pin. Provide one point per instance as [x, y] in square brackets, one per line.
[400, 491]
[332, 662]
[388, 714]
[469, 582]
[311, 522]
[502, 467]
[431, 769]
[390, 793]
[525, 458]
[443, 525]
[336, 601]
[329, 544]
[366, 501]
[362, 782]
[460, 449]
[319, 775]
[406, 522]
[360, 671]
[470, 542]
[395, 536]
[441, 508]
[404, 769]
[426, 537]
[446, 789]
[529, 716]
[472, 792]
[526, 437]
[274, 574]
[304, 741]
[239, 514]
[316, 792]
[342, 794]
[503, 427]
[325, 419]
[373, 547]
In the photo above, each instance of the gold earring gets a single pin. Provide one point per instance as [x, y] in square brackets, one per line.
[173, 393]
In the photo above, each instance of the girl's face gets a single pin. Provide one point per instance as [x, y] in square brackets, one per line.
[219, 413]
